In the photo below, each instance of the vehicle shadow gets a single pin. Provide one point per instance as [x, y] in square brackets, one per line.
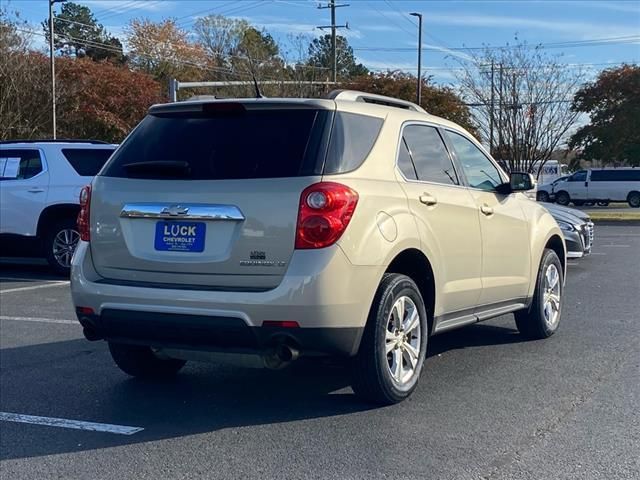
[26, 270]
[477, 335]
[77, 380]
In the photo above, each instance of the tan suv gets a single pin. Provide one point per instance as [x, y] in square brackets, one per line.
[356, 226]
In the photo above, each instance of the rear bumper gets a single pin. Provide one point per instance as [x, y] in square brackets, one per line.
[322, 291]
[206, 333]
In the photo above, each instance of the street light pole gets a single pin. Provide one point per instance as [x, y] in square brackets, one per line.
[53, 65]
[419, 89]
[53, 68]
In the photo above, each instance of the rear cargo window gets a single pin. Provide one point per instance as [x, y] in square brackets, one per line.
[87, 162]
[615, 175]
[224, 143]
[352, 139]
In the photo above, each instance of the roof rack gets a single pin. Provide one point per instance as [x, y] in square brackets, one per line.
[57, 140]
[356, 96]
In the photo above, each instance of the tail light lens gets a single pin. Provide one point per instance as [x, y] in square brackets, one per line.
[325, 211]
[83, 217]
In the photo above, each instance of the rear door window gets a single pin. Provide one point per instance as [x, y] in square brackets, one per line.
[430, 157]
[20, 164]
[85, 161]
[224, 141]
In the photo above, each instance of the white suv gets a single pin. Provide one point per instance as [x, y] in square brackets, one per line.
[39, 186]
[355, 225]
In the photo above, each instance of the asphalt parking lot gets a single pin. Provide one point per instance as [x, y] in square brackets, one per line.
[489, 405]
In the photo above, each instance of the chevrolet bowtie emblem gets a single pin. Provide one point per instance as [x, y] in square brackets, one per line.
[175, 210]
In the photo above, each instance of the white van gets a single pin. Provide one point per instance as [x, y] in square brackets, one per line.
[601, 185]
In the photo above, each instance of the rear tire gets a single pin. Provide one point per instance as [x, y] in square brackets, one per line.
[579, 203]
[60, 242]
[393, 348]
[562, 198]
[140, 361]
[603, 203]
[634, 199]
[542, 318]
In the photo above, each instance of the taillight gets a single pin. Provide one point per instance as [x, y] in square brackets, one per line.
[325, 211]
[84, 227]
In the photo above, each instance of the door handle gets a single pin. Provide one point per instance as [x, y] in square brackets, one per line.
[35, 190]
[486, 209]
[427, 199]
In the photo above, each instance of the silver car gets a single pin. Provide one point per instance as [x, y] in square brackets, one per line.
[577, 228]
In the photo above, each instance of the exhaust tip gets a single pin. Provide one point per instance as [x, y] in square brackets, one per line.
[280, 356]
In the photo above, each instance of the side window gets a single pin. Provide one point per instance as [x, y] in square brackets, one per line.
[87, 162]
[580, 176]
[405, 164]
[481, 173]
[345, 154]
[19, 164]
[430, 157]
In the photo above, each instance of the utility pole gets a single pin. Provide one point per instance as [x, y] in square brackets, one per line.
[332, 5]
[500, 104]
[419, 89]
[491, 109]
[52, 65]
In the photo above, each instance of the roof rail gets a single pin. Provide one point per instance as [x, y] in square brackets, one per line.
[57, 140]
[356, 96]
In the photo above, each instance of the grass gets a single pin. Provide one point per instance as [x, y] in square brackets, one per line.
[600, 215]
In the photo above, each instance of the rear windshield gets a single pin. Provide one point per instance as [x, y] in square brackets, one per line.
[221, 144]
[87, 162]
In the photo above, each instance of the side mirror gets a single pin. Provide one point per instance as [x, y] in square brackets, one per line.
[518, 182]
[521, 182]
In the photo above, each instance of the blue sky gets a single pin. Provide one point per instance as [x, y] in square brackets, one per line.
[384, 36]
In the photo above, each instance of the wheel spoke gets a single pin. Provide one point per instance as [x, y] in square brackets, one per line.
[413, 320]
[554, 299]
[399, 309]
[397, 364]
[412, 354]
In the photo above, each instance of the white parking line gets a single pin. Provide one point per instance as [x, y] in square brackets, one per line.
[35, 287]
[39, 320]
[597, 253]
[64, 423]
[24, 279]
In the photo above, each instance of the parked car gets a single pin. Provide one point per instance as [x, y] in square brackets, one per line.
[356, 225]
[546, 192]
[39, 186]
[577, 228]
[601, 185]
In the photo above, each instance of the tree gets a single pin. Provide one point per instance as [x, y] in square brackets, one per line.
[440, 101]
[24, 86]
[165, 51]
[613, 104]
[530, 112]
[320, 55]
[102, 100]
[238, 50]
[77, 32]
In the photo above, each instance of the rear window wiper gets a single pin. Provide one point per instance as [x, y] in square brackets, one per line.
[160, 167]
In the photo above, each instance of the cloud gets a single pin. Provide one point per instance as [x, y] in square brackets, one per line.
[122, 6]
[275, 24]
[568, 27]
